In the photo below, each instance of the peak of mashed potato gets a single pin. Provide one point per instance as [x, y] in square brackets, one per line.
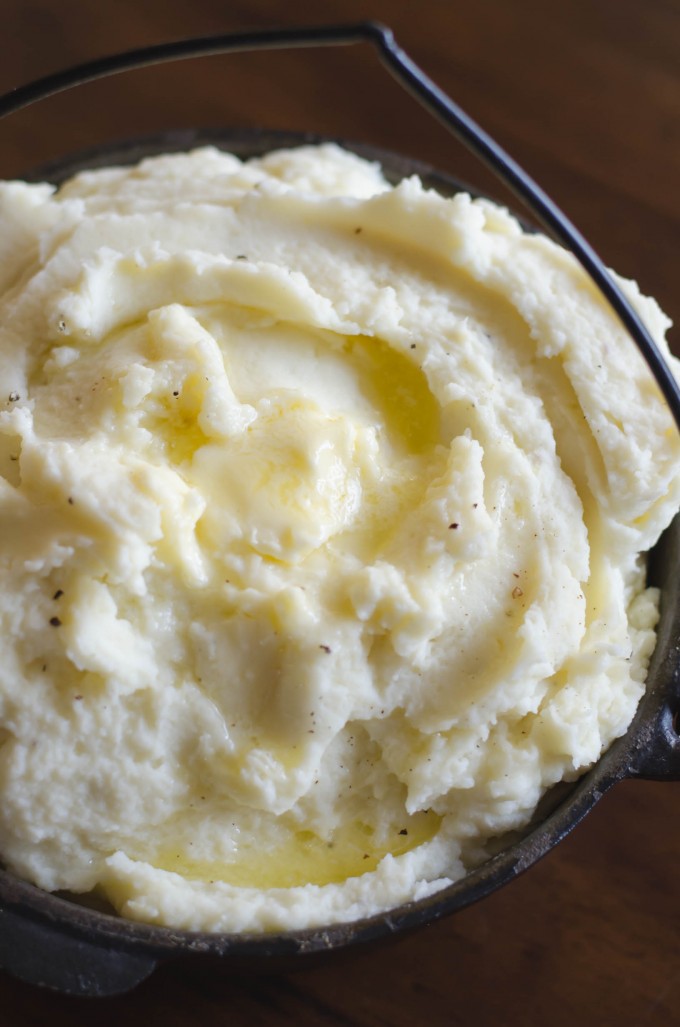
[321, 506]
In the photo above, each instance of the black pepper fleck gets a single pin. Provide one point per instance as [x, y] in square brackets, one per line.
[55, 622]
[454, 525]
[58, 594]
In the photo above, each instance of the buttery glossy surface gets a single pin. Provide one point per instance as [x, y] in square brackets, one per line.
[590, 935]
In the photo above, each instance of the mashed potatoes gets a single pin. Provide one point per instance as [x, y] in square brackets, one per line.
[320, 511]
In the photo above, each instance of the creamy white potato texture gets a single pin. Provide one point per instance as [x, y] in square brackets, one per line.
[320, 510]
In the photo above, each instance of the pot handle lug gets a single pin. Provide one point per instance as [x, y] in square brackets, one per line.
[656, 754]
[36, 953]
[659, 759]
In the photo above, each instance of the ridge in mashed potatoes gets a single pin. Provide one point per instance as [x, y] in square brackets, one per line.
[321, 506]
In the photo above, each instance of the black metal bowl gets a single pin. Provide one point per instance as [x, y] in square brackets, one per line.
[65, 944]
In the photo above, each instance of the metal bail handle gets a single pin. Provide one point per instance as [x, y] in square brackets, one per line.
[416, 82]
[96, 964]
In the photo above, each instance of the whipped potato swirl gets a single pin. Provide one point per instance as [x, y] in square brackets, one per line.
[321, 506]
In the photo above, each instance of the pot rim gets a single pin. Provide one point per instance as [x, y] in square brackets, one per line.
[650, 748]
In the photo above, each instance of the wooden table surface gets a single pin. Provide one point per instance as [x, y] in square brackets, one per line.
[586, 95]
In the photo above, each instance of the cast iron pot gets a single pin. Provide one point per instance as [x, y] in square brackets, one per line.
[61, 943]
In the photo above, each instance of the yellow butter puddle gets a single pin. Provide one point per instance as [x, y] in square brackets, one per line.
[393, 383]
[398, 388]
[174, 419]
[304, 858]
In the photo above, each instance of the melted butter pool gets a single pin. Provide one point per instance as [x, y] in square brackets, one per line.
[304, 858]
[398, 390]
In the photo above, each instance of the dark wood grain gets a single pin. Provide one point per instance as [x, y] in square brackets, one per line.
[585, 94]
